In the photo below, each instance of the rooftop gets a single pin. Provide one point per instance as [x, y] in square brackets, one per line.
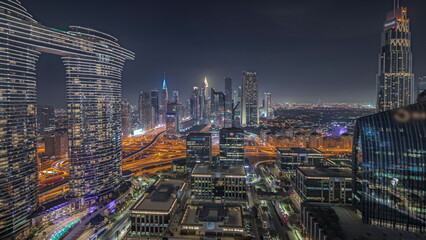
[299, 150]
[161, 197]
[312, 171]
[222, 170]
[211, 212]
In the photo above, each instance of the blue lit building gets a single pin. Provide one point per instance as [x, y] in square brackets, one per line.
[389, 168]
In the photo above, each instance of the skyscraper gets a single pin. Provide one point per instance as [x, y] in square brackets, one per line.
[163, 102]
[268, 105]
[229, 104]
[194, 104]
[395, 78]
[249, 104]
[217, 108]
[155, 103]
[204, 101]
[146, 111]
[172, 119]
[389, 168]
[175, 96]
[45, 118]
[198, 149]
[93, 62]
[231, 143]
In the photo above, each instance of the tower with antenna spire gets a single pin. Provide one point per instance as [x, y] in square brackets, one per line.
[395, 78]
[164, 100]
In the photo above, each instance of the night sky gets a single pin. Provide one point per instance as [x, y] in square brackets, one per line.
[302, 50]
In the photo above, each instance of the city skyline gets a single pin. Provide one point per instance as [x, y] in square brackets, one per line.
[204, 151]
[188, 53]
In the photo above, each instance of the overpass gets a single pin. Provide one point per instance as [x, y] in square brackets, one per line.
[65, 182]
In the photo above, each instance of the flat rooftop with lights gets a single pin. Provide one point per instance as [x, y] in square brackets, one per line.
[223, 220]
[159, 198]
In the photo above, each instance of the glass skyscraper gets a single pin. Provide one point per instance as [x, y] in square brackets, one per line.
[390, 168]
[249, 100]
[93, 61]
[229, 104]
[395, 78]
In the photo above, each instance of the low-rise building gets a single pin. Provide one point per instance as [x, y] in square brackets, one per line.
[321, 184]
[151, 214]
[219, 183]
[289, 158]
[211, 221]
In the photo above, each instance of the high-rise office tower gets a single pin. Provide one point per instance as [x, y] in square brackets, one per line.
[198, 149]
[155, 103]
[172, 119]
[93, 62]
[389, 168]
[175, 96]
[125, 118]
[229, 103]
[163, 102]
[395, 79]
[204, 101]
[268, 105]
[45, 118]
[56, 145]
[231, 142]
[146, 111]
[217, 101]
[194, 104]
[421, 85]
[249, 100]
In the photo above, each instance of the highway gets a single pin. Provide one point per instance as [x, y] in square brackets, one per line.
[51, 192]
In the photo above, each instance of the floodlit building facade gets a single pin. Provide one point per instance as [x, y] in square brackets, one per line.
[395, 79]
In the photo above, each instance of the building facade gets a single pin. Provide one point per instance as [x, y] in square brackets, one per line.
[45, 118]
[229, 103]
[151, 215]
[163, 102]
[269, 112]
[146, 111]
[289, 158]
[126, 121]
[198, 149]
[395, 78]
[172, 119]
[331, 185]
[218, 183]
[56, 145]
[93, 62]
[389, 168]
[231, 143]
[249, 100]
[155, 104]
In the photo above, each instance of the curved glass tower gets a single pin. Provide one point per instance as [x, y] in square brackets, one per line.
[93, 62]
